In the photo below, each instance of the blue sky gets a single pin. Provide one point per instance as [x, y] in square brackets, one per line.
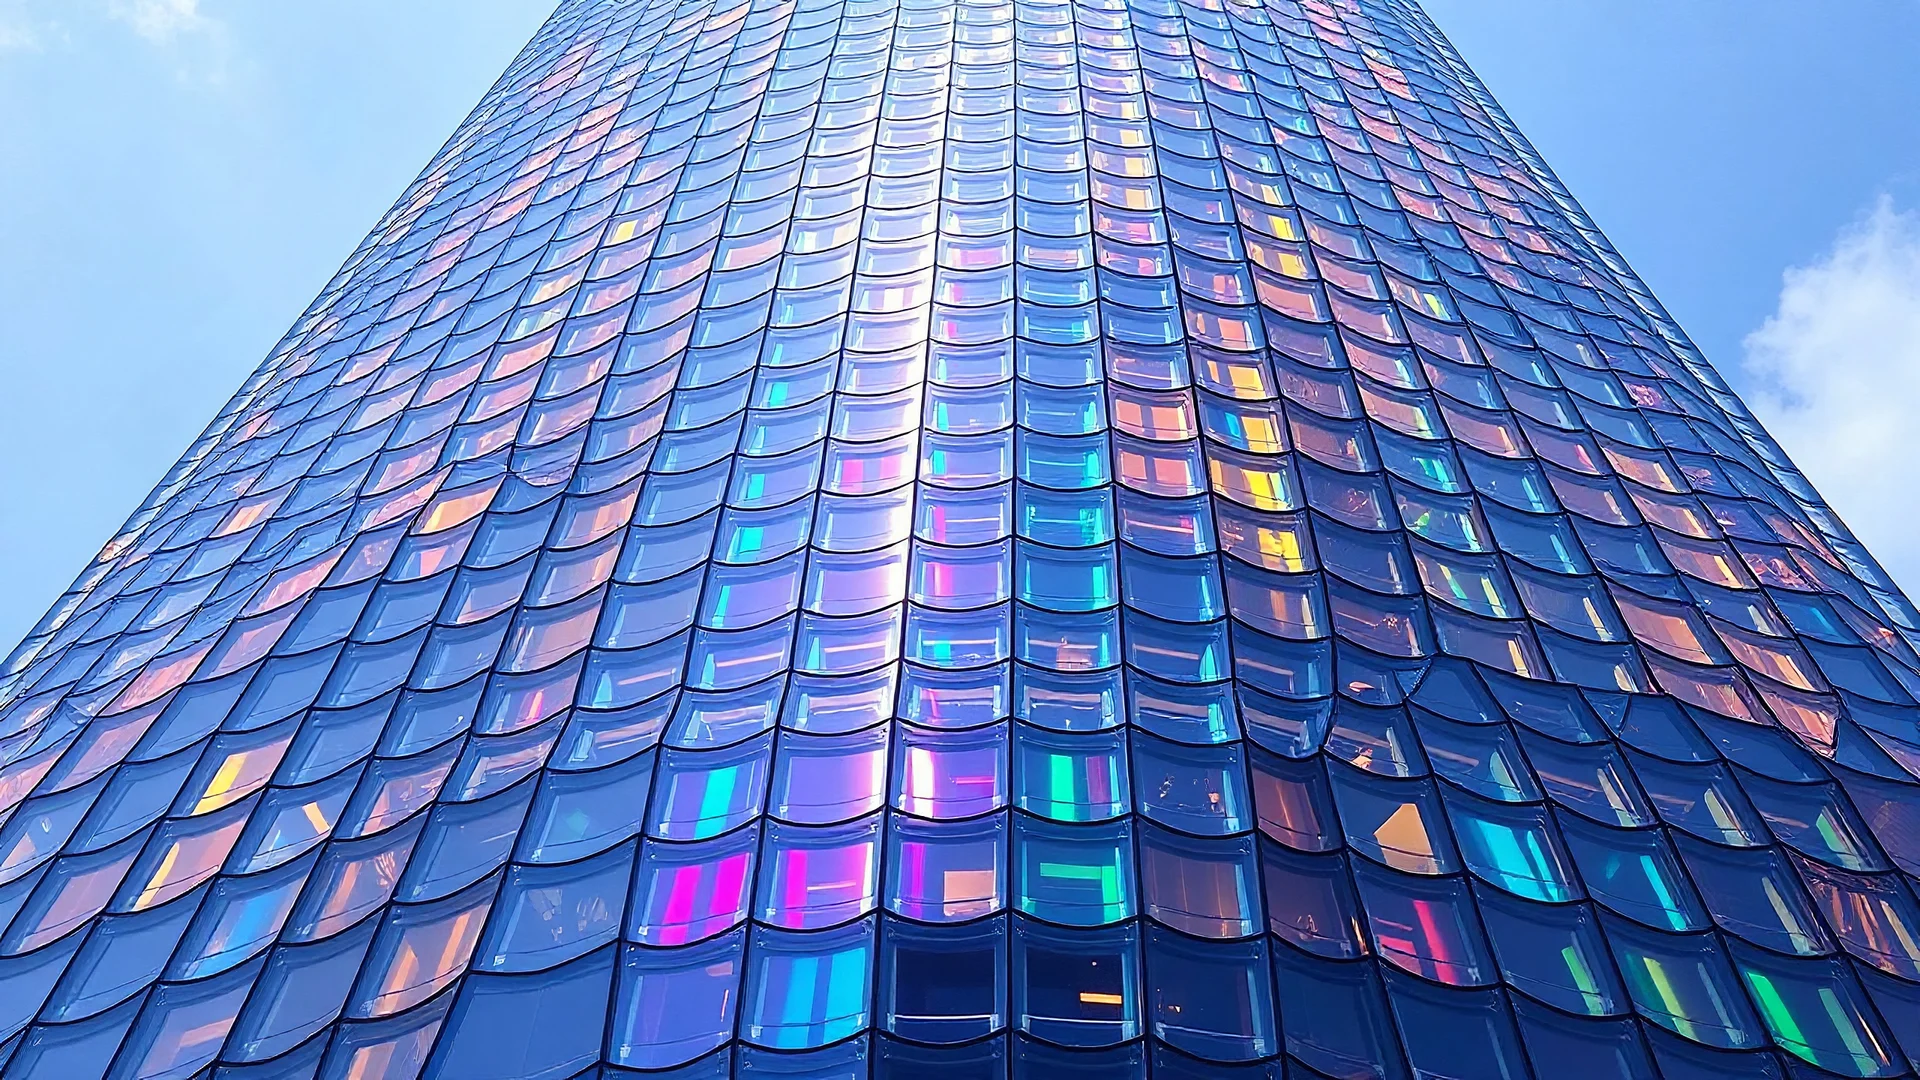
[181, 176]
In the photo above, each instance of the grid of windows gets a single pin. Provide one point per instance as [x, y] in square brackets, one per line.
[957, 538]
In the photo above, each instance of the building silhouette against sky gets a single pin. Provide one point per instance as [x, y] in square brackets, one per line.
[968, 538]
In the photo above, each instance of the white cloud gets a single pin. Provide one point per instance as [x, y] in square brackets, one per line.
[20, 29]
[160, 20]
[15, 36]
[38, 25]
[197, 45]
[1836, 369]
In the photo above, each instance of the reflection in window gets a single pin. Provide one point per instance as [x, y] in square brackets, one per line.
[807, 990]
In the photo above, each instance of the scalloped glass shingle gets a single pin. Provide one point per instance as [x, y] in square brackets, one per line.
[967, 539]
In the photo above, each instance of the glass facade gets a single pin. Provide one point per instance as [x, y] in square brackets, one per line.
[966, 539]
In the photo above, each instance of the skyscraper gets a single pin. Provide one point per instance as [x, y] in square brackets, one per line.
[966, 539]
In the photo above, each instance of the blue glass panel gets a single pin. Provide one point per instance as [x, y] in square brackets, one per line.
[1077, 987]
[807, 990]
[944, 985]
[545, 1025]
[1335, 1017]
[674, 1006]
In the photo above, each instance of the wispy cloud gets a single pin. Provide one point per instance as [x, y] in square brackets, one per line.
[161, 20]
[37, 25]
[21, 30]
[1837, 374]
[195, 43]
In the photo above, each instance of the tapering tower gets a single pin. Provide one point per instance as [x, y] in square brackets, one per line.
[969, 539]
